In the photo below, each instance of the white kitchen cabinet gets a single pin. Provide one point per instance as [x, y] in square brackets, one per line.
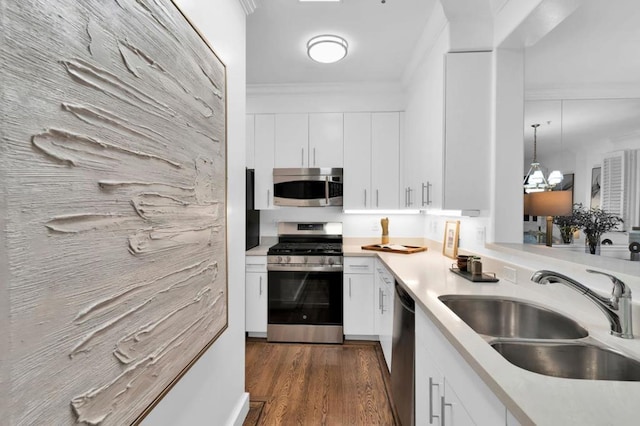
[385, 292]
[309, 140]
[357, 158]
[256, 294]
[446, 152]
[467, 146]
[371, 158]
[251, 142]
[292, 140]
[264, 131]
[441, 372]
[359, 296]
[385, 160]
[326, 133]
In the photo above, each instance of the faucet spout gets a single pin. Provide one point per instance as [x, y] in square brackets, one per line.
[617, 308]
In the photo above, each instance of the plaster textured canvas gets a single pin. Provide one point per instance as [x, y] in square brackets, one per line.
[113, 169]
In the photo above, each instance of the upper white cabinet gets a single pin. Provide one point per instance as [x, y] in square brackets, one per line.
[292, 140]
[468, 84]
[446, 150]
[371, 158]
[264, 152]
[251, 143]
[326, 140]
[357, 157]
[385, 159]
[309, 140]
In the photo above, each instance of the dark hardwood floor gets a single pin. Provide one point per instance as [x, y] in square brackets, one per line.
[317, 384]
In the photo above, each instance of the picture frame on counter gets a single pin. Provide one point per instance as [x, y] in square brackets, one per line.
[451, 236]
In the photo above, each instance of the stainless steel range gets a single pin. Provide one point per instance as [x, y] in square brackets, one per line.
[305, 283]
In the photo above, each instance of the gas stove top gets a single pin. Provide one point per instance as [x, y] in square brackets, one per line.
[307, 249]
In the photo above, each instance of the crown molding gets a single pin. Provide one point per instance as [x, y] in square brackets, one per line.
[585, 91]
[249, 6]
[322, 88]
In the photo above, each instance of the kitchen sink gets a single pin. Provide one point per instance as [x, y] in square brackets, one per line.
[570, 360]
[500, 317]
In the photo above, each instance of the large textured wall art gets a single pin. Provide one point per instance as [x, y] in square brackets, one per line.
[113, 167]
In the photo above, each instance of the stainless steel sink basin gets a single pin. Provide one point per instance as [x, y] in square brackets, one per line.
[570, 360]
[499, 317]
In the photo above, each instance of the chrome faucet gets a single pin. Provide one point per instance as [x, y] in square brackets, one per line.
[617, 308]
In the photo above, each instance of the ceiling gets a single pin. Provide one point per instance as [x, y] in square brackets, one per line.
[590, 58]
[381, 37]
[596, 47]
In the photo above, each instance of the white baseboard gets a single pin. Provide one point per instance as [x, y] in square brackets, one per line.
[240, 411]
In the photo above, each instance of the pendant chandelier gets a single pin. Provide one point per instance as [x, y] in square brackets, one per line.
[535, 181]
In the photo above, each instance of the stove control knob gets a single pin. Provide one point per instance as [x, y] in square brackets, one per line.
[288, 259]
[279, 259]
[331, 261]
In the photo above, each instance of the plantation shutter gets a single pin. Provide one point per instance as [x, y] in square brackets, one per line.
[613, 183]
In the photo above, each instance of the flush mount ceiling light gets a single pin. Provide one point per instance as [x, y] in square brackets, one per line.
[327, 49]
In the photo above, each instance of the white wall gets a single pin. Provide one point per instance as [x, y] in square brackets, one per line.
[212, 391]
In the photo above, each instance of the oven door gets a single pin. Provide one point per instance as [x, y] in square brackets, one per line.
[305, 305]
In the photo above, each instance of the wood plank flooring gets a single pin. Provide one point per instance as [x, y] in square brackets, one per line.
[317, 384]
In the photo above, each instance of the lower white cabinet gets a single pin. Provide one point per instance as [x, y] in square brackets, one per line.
[385, 292]
[448, 391]
[256, 294]
[359, 296]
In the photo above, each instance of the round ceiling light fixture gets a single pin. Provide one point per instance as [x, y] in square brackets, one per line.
[327, 49]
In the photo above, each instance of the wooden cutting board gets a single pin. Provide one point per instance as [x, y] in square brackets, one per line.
[395, 248]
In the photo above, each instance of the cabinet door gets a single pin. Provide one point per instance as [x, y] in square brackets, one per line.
[453, 412]
[250, 138]
[292, 140]
[256, 302]
[386, 333]
[379, 295]
[326, 140]
[429, 384]
[385, 160]
[470, 390]
[264, 151]
[359, 304]
[467, 130]
[357, 158]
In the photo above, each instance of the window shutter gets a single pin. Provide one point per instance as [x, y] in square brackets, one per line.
[613, 183]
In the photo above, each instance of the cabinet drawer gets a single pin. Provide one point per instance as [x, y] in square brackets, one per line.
[358, 265]
[256, 264]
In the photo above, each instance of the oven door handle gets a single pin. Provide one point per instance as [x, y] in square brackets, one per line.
[304, 268]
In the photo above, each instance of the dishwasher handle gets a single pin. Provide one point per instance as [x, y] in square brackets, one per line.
[405, 299]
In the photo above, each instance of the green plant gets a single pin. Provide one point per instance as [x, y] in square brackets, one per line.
[568, 225]
[594, 223]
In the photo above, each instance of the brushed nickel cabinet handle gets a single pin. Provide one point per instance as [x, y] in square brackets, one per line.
[349, 287]
[431, 415]
[365, 198]
[260, 286]
[443, 404]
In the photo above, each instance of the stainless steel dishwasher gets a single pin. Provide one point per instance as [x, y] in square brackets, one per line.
[402, 358]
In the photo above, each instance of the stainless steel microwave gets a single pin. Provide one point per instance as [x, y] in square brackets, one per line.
[308, 187]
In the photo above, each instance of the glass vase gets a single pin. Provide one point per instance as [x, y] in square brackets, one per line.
[592, 245]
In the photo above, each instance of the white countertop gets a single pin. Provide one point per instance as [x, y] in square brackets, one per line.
[532, 398]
